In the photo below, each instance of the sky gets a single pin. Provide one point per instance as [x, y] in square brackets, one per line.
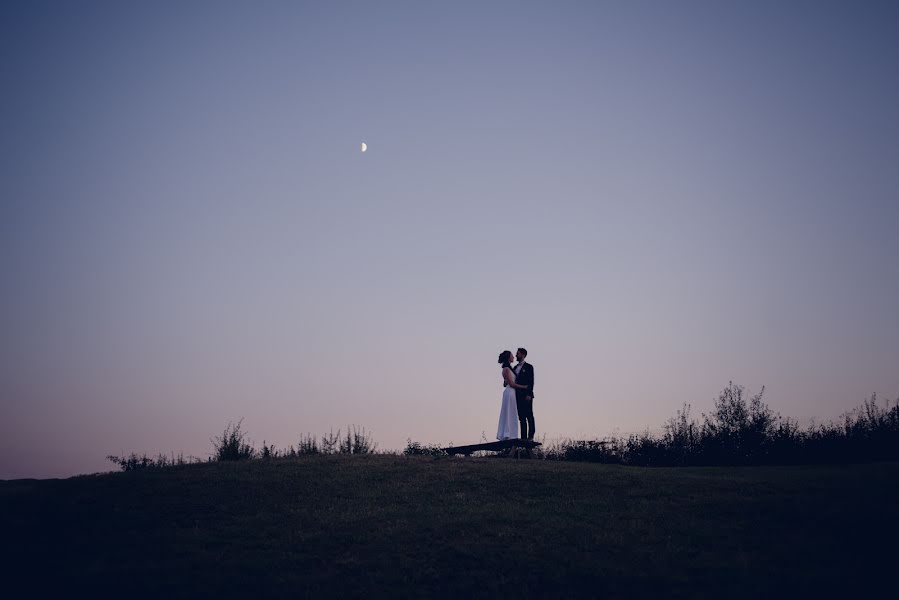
[653, 198]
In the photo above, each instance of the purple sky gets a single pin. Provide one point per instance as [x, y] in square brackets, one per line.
[653, 197]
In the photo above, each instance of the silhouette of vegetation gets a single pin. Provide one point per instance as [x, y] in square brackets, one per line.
[417, 449]
[135, 462]
[308, 445]
[741, 429]
[267, 452]
[357, 442]
[233, 444]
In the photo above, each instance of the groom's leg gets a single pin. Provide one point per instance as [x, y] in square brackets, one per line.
[521, 405]
[529, 416]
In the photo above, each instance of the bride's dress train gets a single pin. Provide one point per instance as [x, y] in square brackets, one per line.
[508, 416]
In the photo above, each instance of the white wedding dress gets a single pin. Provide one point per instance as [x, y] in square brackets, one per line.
[508, 416]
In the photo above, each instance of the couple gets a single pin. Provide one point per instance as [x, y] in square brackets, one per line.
[518, 397]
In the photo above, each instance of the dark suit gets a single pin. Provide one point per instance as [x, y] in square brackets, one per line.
[524, 400]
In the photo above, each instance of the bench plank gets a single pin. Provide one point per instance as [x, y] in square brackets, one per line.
[492, 446]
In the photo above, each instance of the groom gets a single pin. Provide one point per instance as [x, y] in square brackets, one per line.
[524, 398]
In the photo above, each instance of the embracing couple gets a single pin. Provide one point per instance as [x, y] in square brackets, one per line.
[518, 397]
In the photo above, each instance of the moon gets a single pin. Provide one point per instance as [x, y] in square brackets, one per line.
[363, 147]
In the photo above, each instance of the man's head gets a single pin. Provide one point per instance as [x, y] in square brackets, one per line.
[521, 354]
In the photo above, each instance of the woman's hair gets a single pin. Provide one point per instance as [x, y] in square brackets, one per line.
[505, 358]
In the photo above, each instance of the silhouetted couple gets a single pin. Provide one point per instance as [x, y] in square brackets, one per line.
[518, 397]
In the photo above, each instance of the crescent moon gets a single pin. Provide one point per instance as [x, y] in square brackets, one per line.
[364, 147]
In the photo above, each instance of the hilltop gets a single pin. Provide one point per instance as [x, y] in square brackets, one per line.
[413, 526]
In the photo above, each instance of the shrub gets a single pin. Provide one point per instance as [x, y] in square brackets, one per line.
[736, 432]
[357, 441]
[331, 442]
[308, 445]
[232, 444]
[135, 462]
[681, 437]
[269, 451]
[416, 449]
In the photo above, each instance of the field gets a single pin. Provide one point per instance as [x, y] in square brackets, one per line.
[477, 527]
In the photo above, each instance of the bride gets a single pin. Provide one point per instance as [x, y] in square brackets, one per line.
[508, 412]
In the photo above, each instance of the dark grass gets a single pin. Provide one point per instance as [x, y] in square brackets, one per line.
[422, 526]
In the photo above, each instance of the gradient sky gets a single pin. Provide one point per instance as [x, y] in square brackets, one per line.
[653, 197]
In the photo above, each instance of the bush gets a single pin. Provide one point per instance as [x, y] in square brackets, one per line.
[308, 445]
[357, 441]
[736, 432]
[269, 452]
[135, 462]
[416, 449]
[579, 451]
[232, 444]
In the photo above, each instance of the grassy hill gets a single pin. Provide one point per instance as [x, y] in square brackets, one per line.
[418, 526]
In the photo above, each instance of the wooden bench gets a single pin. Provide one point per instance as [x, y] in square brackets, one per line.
[492, 446]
